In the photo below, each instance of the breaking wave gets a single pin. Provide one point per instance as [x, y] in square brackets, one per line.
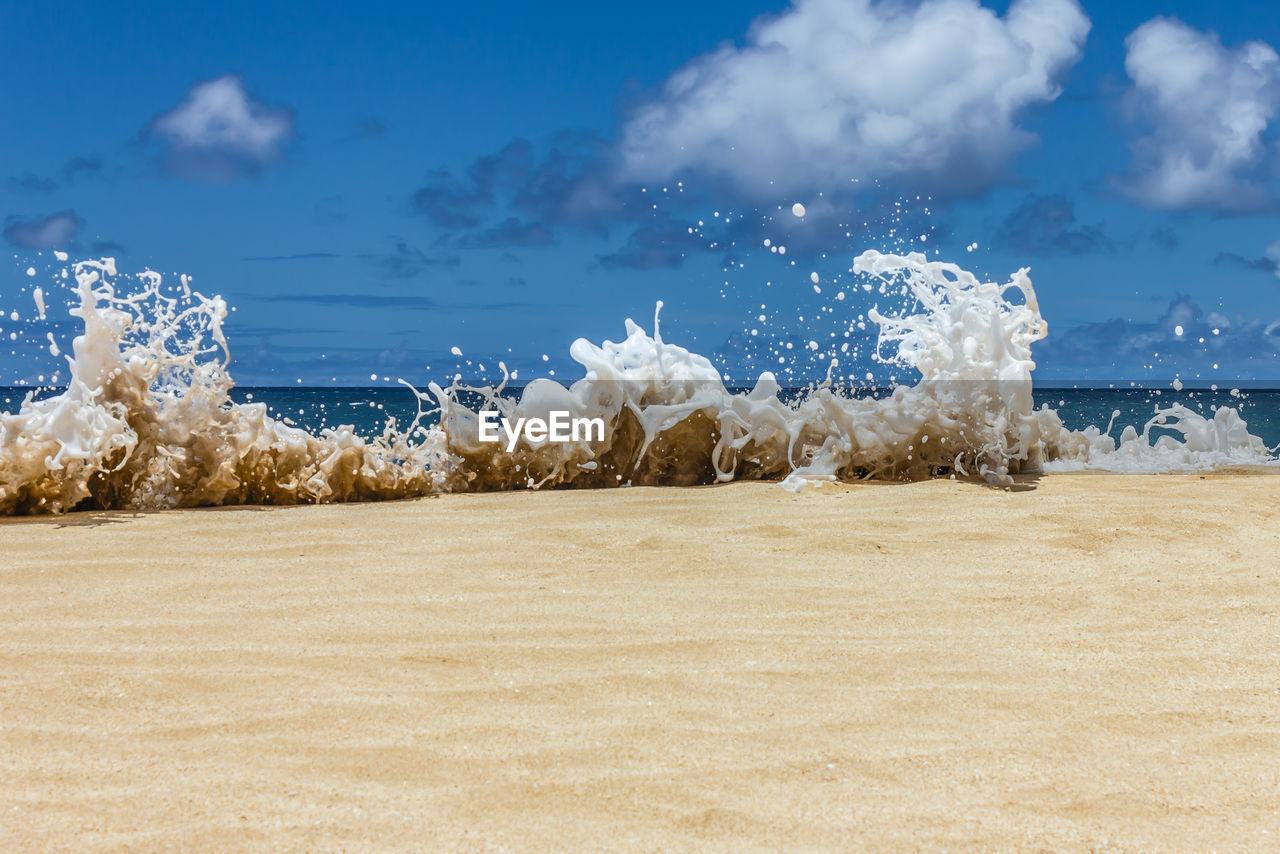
[146, 420]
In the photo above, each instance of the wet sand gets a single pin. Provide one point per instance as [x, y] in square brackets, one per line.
[1088, 663]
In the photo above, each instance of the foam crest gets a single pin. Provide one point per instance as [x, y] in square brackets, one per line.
[146, 422]
[1223, 441]
[671, 420]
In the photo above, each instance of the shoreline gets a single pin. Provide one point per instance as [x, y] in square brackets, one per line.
[1086, 660]
[1021, 483]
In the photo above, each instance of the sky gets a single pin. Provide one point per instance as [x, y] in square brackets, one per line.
[373, 185]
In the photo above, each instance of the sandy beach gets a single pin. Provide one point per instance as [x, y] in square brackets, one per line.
[1088, 662]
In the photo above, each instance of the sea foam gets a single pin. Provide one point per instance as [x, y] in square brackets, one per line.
[146, 420]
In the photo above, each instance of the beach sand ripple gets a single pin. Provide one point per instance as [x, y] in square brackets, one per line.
[1091, 662]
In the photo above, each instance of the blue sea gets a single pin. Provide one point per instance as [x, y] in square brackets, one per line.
[369, 408]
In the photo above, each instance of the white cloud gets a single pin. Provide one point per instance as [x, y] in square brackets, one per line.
[1208, 108]
[55, 231]
[832, 90]
[1272, 254]
[220, 132]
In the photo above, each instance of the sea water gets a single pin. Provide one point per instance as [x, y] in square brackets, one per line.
[367, 408]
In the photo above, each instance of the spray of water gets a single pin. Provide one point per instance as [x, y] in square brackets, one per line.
[146, 420]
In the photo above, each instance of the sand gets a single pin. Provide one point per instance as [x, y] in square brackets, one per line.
[1085, 663]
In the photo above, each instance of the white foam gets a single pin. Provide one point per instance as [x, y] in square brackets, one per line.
[673, 421]
[146, 420]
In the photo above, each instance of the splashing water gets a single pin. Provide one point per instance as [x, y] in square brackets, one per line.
[671, 420]
[146, 420]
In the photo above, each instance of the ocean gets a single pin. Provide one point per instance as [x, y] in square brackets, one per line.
[368, 408]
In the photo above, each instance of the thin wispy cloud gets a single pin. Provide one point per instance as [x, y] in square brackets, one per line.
[652, 246]
[278, 331]
[29, 183]
[366, 301]
[1185, 339]
[511, 232]
[83, 166]
[1165, 238]
[373, 302]
[300, 256]
[369, 127]
[1268, 262]
[107, 247]
[407, 262]
[75, 169]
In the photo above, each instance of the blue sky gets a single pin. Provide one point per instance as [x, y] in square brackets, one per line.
[373, 184]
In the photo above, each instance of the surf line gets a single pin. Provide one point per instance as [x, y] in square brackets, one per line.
[559, 426]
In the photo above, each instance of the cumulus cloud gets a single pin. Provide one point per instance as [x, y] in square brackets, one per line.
[1207, 108]
[1046, 225]
[833, 90]
[55, 231]
[220, 133]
